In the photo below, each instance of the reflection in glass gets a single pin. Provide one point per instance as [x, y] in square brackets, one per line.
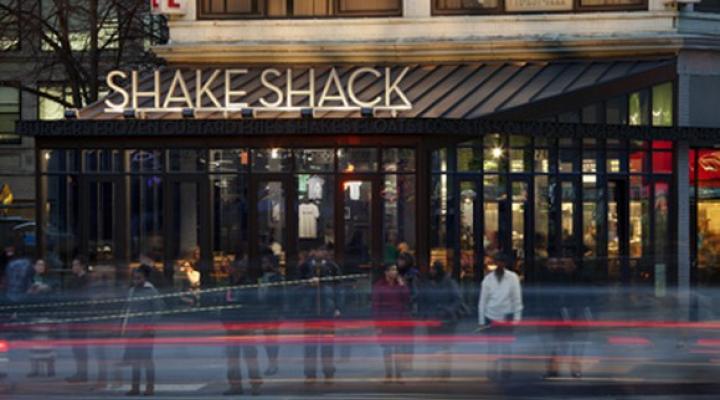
[187, 160]
[152, 161]
[613, 229]
[662, 201]
[469, 159]
[567, 219]
[494, 159]
[357, 214]
[662, 105]
[639, 108]
[542, 160]
[590, 218]
[494, 194]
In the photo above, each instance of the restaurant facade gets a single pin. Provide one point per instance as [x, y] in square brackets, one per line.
[447, 130]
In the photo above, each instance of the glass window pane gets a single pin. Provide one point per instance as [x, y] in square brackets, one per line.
[662, 162]
[357, 213]
[186, 265]
[147, 220]
[616, 161]
[468, 203]
[439, 160]
[441, 223]
[662, 204]
[519, 160]
[229, 160]
[146, 160]
[639, 108]
[230, 237]
[316, 205]
[592, 114]
[616, 111]
[398, 160]
[399, 211]
[662, 105]
[469, 159]
[589, 163]
[62, 217]
[542, 216]
[357, 160]
[542, 160]
[638, 161]
[493, 140]
[102, 160]
[187, 160]
[639, 213]
[519, 208]
[494, 193]
[271, 160]
[60, 160]
[568, 160]
[590, 219]
[494, 160]
[464, 5]
[567, 220]
[272, 219]
[315, 160]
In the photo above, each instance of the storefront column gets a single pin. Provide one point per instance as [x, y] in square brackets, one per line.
[683, 223]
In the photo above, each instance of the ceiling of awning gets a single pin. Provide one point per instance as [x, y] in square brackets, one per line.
[465, 91]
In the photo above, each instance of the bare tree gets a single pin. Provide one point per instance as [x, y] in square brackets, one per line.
[77, 42]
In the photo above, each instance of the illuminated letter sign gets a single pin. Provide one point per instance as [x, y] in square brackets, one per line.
[232, 89]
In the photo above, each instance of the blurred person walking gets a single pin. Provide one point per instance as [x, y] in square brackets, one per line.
[319, 300]
[500, 302]
[272, 300]
[41, 353]
[247, 301]
[440, 300]
[391, 302]
[18, 275]
[77, 287]
[139, 330]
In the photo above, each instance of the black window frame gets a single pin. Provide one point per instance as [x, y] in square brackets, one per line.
[577, 7]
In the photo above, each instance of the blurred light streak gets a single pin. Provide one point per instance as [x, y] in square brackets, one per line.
[628, 341]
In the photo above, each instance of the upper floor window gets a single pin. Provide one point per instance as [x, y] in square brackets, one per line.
[210, 9]
[9, 113]
[464, 7]
[9, 26]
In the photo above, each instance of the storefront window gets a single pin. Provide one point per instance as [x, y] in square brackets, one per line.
[9, 113]
[230, 222]
[352, 160]
[315, 160]
[271, 160]
[639, 217]
[494, 195]
[148, 161]
[399, 211]
[61, 231]
[542, 216]
[639, 108]
[707, 181]
[398, 160]
[187, 160]
[147, 199]
[468, 204]
[229, 160]
[469, 159]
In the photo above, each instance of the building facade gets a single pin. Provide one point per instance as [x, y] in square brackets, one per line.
[568, 132]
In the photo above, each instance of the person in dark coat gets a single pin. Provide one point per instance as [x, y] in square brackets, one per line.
[77, 288]
[391, 302]
[440, 300]
[272, 300]
[247, 302]
[140, 330]
[319, 300]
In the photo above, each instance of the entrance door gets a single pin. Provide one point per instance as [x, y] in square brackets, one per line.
[359, 228]
[273, 221]
[187, 230]
[617, 230]
[471, 265]
[101, 208]
[518, 219]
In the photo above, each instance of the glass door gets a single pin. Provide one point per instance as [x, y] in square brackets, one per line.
[470, 238]
[518, 221]
[188, 259]
[272, 221]
[359, 232]
[617, 230]
[101, 208]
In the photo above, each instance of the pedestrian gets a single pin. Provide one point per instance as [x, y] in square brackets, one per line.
[272, 299]
[18, 276]
[391, 302]
[566, 307]
[441, 302]
[138, 327]
[319, 300]
[77, 287]
[500, 303]
[244, 301]
[41, 352]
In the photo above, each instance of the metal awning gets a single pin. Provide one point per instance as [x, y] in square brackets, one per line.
[467, 91]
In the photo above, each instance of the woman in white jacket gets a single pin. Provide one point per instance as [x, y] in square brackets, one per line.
[499, 305]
